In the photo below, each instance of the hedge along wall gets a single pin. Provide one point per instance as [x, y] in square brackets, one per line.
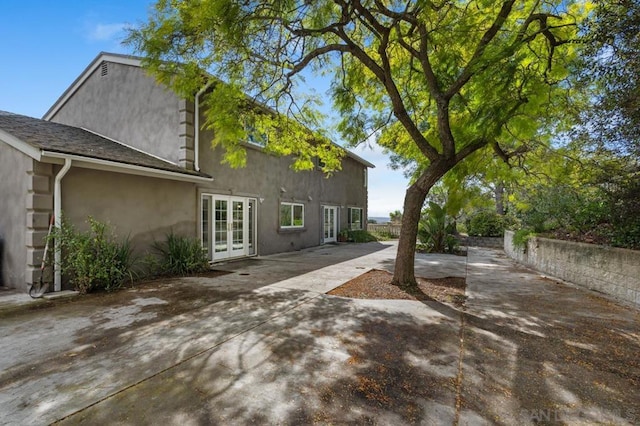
[609, 270]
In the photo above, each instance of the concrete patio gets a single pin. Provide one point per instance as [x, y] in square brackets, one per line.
[264, 344]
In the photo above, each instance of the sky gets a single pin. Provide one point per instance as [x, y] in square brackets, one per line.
[47, 44]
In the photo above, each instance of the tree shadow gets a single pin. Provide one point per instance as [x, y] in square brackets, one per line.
[216, 355]
[329, 359]
[547, 354]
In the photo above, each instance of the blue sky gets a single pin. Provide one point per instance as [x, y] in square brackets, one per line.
[47, 44]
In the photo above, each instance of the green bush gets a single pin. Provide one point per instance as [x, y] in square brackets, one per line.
[521, 237]
[94, 259]
[435, 231]
[382, 235]
[360, 236]
[180, 255]
[486, 223]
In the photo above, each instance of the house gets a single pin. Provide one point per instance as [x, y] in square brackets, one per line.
[121, 148]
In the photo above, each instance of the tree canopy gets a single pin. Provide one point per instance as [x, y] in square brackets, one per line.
[612, 69]
[432, 81]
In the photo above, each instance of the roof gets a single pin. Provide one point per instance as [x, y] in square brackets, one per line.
[51, 138]
[134, 61]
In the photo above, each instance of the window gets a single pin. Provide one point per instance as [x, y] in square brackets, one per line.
[253, 135]
[291, 215]
[321, 164]
[355, 218]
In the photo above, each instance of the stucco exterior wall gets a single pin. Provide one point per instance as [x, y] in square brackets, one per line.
[129, 106]
[609, 270]
[265, 176]
[14, 167]
[27, 205]
[143, 208]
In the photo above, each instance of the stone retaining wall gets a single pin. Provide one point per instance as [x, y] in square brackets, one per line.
[491, 242]
[609, 270]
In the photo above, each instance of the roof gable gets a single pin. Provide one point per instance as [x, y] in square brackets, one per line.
[88, 71]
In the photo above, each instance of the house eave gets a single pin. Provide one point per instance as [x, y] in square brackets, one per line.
[113, 166]
[20, 145]
[359, 159]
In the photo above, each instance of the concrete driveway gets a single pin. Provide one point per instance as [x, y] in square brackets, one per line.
[264, 344]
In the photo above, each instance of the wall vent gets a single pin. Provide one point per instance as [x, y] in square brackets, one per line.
[104, 69]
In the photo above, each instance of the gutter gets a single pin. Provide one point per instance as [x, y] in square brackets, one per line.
[57, 213]
[196, 125]
[113, 166]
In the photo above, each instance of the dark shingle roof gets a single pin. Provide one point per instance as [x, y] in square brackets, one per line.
[63, 139]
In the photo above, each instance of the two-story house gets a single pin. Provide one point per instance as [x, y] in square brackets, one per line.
[119, 147]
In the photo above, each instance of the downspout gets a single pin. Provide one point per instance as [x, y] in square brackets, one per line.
[57, 213]
[196, 138]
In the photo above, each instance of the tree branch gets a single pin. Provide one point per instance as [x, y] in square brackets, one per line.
[304, 62]
[487, 37]
[383, 73]
[470, 149]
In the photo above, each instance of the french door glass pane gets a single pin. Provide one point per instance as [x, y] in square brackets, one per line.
[326, 223]
[251, 237]
[221, 226]
[332, 223]
[206, 214]
[238, 224]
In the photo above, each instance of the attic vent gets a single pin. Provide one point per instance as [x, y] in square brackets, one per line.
[104, 69]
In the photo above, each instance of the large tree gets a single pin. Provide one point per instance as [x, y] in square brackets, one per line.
[612, 68]
[433, 80]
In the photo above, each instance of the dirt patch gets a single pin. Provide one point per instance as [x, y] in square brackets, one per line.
[376, 284]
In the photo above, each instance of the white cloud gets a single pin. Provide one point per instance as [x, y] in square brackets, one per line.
[386, 187]
[105, 32]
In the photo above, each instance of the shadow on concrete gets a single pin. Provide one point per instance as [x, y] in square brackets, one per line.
[218, 352]
[539, 351]
[327, 360]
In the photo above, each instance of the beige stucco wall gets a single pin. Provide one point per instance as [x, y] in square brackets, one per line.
[143, 208]
[129, 106]
[14, 168]
[609, 270]
[266, 175]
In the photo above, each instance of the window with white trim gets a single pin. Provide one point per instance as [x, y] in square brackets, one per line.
[291, 215]
[355, 218]
[253, 135]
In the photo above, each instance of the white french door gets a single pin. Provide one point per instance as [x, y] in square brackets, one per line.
[330, 224]
[228, 226]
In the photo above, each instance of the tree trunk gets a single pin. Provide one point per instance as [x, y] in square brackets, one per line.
[404, 273]
[499, 194]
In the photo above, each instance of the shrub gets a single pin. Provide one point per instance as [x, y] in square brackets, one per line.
[94, 259]
[521, 237]
[435, 231]
[180, 255]
[383, 235]
[360, 236]
[486, 223]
